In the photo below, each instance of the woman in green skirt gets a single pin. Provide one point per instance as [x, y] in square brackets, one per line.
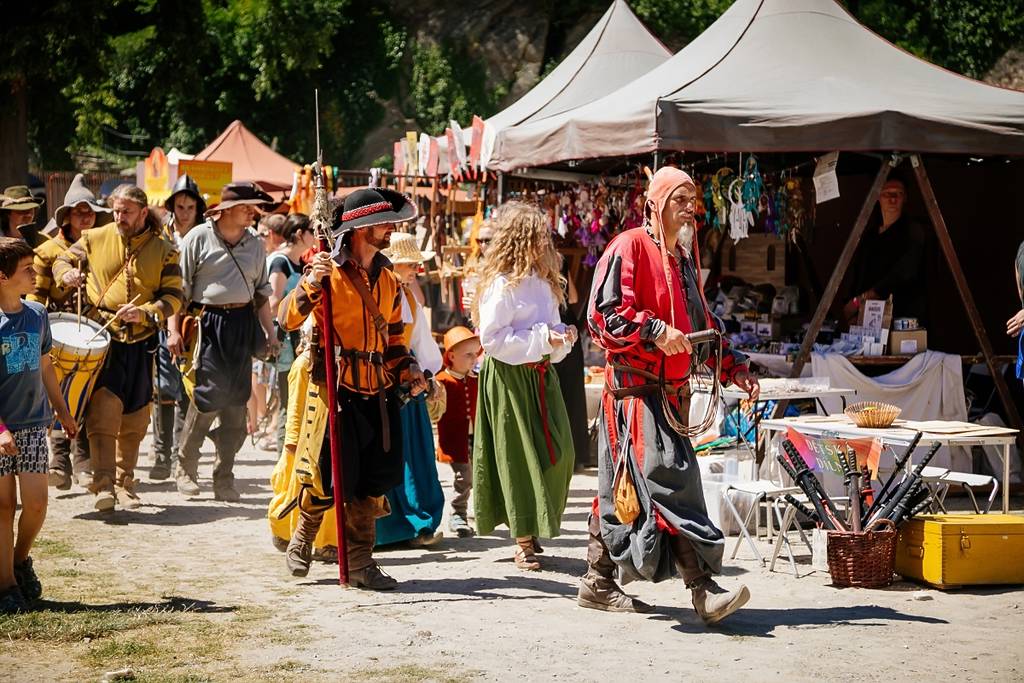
[523, 450]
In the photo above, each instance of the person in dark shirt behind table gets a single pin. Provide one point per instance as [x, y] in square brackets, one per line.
[891, 259]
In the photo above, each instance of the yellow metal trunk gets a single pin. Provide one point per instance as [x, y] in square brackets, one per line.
[949, 551]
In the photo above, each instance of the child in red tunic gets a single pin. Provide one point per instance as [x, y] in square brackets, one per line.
[455, 427]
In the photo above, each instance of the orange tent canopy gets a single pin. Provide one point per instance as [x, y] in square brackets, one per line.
[251, 158]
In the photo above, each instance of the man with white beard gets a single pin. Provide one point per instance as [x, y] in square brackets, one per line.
[646, 298]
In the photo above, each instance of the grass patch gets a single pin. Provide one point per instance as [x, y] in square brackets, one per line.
[117, 650]
[52, 548]
[409, 673]
[65, 573]
[72, 626]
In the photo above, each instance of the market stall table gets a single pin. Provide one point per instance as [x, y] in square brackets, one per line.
[805, 388]
[949, 433]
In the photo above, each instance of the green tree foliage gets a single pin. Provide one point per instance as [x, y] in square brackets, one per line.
[966, 36]
[176, 72]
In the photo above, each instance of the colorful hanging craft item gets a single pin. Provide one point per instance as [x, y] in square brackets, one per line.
[740, 220]
[753, 185]
[715, 199]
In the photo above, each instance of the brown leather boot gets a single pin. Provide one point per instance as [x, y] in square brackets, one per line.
[598, 589]
[361, 535]
[299, 554]
[712, 602]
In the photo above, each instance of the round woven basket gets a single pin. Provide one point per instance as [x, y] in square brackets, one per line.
[873, 414]
[865, 559]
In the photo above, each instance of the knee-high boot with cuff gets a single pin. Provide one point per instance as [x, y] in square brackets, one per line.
[598, 589]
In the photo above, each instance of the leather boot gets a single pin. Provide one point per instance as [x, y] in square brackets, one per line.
[361, 534]
[299, 554]
[712, 602]
[163, 441]
[598, 589]
[129, 438]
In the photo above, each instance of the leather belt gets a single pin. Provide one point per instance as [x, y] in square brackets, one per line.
[222, 307]
[375, 359]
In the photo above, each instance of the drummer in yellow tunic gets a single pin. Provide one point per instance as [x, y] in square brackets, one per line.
[79, 213]
[133, 282]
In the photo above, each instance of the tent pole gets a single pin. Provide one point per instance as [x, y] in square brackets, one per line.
[657, 159]
[829, 295]
[501, 188]
[942, 232]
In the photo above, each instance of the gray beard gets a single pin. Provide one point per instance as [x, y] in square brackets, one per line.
[684, 238]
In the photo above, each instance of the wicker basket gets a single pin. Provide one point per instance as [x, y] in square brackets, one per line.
[873, 414]
[865, 559]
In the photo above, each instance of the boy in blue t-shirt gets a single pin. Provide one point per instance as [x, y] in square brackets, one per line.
[28, 387]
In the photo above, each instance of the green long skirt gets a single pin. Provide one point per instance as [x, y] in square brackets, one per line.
[514, 480]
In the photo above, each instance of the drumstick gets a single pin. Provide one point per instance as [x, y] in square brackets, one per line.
[79, 308]
[109, 322]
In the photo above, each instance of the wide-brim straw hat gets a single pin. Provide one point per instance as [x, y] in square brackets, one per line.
[78, 194]
[403, 250]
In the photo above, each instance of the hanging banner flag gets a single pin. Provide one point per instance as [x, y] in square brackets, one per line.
[822, 453]
[476, 144]
[412, 165]
[460, 145]
[453, 155]
[399, 165]
[422, 154]
[433, 158]
[487, 148]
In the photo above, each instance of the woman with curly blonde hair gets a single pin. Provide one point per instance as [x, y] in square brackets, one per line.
[523, 449]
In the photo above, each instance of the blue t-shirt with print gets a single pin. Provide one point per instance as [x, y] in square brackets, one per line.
[24, 338]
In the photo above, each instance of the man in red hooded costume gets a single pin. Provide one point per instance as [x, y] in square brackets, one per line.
[646, 297]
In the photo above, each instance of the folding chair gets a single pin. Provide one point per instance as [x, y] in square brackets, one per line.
[763, 491]
[968, 482]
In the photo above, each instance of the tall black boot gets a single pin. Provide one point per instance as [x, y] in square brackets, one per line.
[163, 441]
[598, 589]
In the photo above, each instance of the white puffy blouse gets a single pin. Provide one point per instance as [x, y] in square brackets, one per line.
[515, 321]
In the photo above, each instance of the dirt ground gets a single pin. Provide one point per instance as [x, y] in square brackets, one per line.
[193, 591]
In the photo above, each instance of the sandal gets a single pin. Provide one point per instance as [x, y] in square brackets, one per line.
[525, 557]
[536, 546]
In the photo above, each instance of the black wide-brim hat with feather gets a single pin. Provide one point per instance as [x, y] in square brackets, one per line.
[372, 206]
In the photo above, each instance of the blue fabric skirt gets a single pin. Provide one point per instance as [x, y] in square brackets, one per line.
[418, 502]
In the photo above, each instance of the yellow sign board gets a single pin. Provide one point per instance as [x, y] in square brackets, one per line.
[210, 176]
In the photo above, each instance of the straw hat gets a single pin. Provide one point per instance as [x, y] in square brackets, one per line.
[456, 336]
[403, 249]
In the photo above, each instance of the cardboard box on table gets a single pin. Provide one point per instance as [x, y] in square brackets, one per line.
[908, 342]
[949, 551]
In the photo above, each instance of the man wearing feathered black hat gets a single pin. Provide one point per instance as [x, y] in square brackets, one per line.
[226, 286]
[372, 362]
[185, 208]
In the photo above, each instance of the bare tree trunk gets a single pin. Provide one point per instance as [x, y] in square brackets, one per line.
[13, 133]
